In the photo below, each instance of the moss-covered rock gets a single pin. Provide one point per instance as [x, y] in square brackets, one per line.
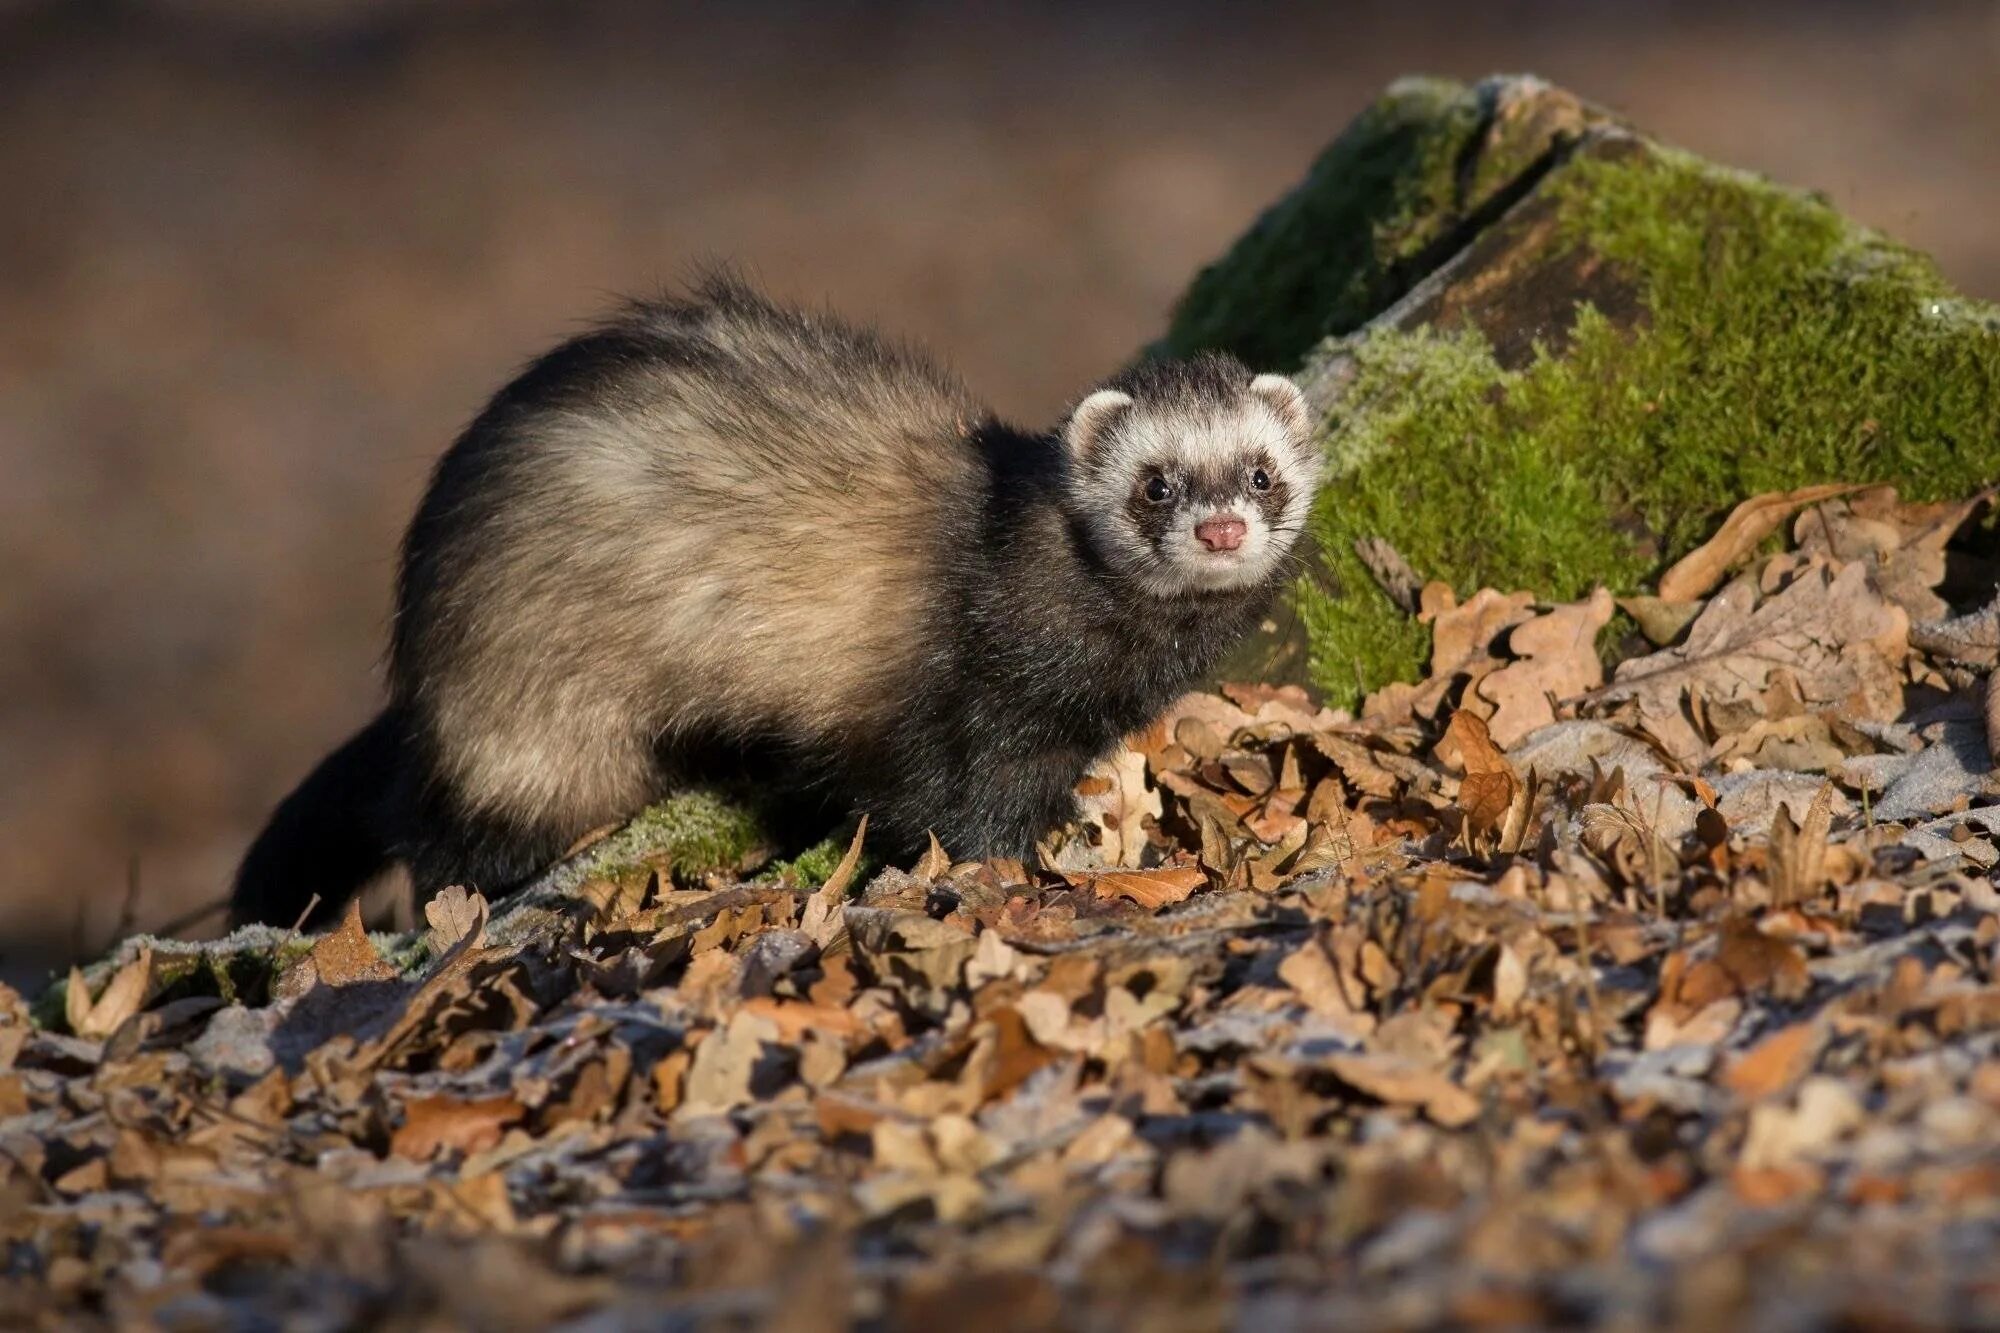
[1549, 352]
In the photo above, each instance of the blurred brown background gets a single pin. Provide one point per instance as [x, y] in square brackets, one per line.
[259, 261]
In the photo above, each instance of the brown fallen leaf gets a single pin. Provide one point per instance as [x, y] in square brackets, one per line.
[1775, 1063]
[433, 1125]
[719, 1076]
[1989, 715]
[1798, 850]
[795, 1018]
[1315, 976]
[453, 914]
[1973, 638]
[1700, 570]
[123, 996]
[1755, 961]
[1151, 889]
[1659, 620]
[934, 862]
[1557, 659]
[1903, 544]
[1361, 767]
[1803, 743]
[1465, 639]
[1118, 803]
[346, 955]
[1490, 787]
[1842, 643]
[820, 918]
[1402, 1082]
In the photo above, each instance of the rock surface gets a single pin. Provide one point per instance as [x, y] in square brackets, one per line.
[1550, 351]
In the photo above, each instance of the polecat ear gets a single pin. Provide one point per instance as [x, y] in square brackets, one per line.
[1283, 397]
[1087, 423]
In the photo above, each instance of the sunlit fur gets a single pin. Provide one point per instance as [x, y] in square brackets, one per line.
[717, 527]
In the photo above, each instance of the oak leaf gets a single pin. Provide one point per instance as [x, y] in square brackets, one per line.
[1114, 797]
[1557, 660]
[1490, 789]
[1841, 641]
[454, 914]
[1465, 639]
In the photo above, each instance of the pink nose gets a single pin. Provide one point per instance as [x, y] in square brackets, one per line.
[1221, 532]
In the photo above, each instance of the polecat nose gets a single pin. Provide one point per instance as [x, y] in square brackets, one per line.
[1221, 532]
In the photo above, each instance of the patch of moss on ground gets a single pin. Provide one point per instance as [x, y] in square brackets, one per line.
[816, 864]
[696, 831]
[1781, 345]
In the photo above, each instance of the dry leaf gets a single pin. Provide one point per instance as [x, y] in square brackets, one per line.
[1465, 639]
[1558, 660]
[820, 918]
[1659, 620]
[1312, 972]
[1841, 642]
[453, 914]
[1775, 1063]
[1755, 961]
[773, 1088]
[1798, 850]
[123, 996]
[1151, 889]
[719, 1076]
[1903, 545]
[1358, 764]
[1490, 788]
[1118, 803]
[346, 955]
[1403, 1083]
[433, 1125]
[934, 862]
[1701, 569]
[1973, 639]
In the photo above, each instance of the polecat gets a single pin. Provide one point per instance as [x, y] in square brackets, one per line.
[717, 524]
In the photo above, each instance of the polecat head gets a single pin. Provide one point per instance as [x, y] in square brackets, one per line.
[1192, 476]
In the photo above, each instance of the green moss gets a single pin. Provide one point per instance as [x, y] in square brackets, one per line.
[1340, 246]
[813, 865]
[694, 831]
[1779, 345]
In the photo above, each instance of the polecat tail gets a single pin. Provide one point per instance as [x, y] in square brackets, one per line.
[326, 838]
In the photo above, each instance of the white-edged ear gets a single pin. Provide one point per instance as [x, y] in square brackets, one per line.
[1284, 398]
[1086, 425]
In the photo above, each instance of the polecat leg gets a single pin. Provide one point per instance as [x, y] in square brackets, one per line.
[492, 856]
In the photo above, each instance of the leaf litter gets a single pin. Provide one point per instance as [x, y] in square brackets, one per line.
[1536, 995]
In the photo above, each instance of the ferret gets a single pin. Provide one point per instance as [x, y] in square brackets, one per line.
[716, 525]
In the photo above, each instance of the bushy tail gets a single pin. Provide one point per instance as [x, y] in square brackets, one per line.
[327, 838]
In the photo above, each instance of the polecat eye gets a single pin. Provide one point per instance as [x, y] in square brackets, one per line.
[1157, 490]
[1261, 479]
